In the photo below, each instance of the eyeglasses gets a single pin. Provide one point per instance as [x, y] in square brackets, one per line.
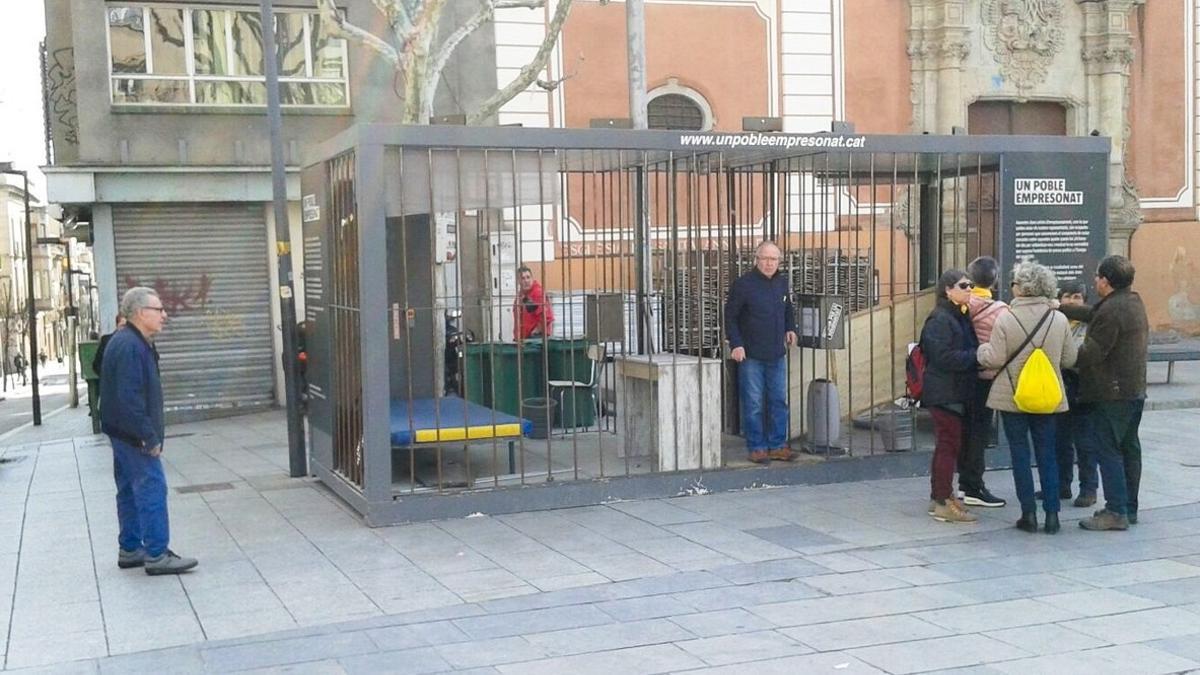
[160, 309]
[964, 285]
[769, 258]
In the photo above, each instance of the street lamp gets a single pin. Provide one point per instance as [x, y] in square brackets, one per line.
[7, 167]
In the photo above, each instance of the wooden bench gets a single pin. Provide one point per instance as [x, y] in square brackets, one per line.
[1169, 353]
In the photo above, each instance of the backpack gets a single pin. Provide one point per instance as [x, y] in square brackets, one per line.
[914, 373]
[1037, 389]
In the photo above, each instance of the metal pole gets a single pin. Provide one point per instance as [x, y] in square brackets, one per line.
[635, 28]
[31, 306]
[297, 459]
[72, 331]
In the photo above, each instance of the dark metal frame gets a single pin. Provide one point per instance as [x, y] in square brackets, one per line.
[366, 205]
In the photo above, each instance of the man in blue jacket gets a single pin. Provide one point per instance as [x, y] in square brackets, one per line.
[761, 324]
[131, 414]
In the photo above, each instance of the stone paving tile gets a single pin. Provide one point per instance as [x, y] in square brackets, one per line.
[410, 661]
[1149, 624]
[829, 662]
[1173, 592]
[56, 647]
[1186, 646]
[223, 626]
[855, 582]
[879, 630]
[176, 660]
[1146, 571]
[609, 637]
[633, 661]
[742, 648]
[658, 512]
[533, 621]
[648, 607]
[1118, 660]
[747, 595]
[722, 622]
[996, 615]
[1015, 587]
[284, 652]
[493, 652]
[863, 605]
[324, 667]
[937, 653]
[1098, 602]
[770, 570]
[1046, 639]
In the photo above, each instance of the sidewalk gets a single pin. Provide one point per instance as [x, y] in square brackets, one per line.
[850, 578]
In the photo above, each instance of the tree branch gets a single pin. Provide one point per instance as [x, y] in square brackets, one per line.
[345, 29]
[397, 16]
[446, 50]
[528, 74]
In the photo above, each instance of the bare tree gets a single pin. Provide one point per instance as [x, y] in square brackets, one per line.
[410, 48]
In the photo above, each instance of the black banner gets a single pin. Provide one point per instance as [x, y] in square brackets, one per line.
[1054, 211]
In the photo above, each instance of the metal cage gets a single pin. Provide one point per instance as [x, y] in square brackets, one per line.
[414, 235]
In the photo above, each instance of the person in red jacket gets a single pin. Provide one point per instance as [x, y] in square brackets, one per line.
[532, 314]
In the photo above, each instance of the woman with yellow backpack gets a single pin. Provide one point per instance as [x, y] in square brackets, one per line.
[1030, 345]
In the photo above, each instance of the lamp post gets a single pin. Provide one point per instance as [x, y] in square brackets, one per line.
[31, 319]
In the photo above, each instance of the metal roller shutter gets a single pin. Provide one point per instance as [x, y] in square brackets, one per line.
[208, 263]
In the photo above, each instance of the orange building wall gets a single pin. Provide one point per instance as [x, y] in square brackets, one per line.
[720, 51]
[877, 66]
[1157, 152]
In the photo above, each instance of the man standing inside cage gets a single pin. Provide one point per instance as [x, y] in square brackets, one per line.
[532, 314]
[131, 414]
[760, 324]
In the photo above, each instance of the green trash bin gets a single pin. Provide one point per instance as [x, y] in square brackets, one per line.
[477, 373]
[569, 362]
[515, 373]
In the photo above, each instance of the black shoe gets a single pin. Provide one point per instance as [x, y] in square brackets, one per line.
[1028, 522]
[1052, 526]
[982, 498]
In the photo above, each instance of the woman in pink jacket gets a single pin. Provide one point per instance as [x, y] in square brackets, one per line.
[984, 310]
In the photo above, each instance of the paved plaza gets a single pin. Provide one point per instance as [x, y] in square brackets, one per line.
[842, 578]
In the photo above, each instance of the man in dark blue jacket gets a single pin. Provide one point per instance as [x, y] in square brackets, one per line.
[131, 414]
[761, 324]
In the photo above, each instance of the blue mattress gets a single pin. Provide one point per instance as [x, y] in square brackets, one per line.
[430, 420]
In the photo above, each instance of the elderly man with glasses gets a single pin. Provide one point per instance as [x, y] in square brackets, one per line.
[131, 414]
[760, 324]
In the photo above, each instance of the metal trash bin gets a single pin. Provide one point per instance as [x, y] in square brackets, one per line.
[540, 411]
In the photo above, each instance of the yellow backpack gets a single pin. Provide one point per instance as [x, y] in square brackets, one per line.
[1037, 389]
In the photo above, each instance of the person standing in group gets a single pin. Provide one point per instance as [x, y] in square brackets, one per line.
[1069, 428]
[1112, 389]
[131, 415]
[760, 323]
[949, 344]
[532, 314]
[984, 309]
[1032, 323]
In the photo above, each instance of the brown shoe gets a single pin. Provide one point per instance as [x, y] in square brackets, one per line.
[782, 454]
[1085, 500]
[1105, 520]
[760, 457]
[951, 512]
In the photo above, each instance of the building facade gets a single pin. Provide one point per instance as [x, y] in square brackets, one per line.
[1124, 69]
[160, 142]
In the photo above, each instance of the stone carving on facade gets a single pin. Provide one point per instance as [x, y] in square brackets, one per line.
[1024, 36]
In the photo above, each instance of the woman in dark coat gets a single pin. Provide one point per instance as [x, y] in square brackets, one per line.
[949, 344]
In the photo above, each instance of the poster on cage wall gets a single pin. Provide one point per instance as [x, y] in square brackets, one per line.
[1054, 211]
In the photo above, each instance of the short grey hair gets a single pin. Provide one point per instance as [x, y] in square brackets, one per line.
[764, 244]
[136, 298]
[1035, 280]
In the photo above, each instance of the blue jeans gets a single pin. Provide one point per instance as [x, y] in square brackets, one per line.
[1019, 428]
[141, 500]
[759, 383]
[1113, 432]
[1071, 446]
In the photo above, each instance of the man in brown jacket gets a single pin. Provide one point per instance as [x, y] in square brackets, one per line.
[1112, 388]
